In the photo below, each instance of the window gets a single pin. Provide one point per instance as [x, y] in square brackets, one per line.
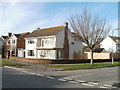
[31, 41]
[60, 54]
[30, 52]
[43, 54]
[46, 42]
[8, 42]
[42, 43]
[13, 41]
[46, 54]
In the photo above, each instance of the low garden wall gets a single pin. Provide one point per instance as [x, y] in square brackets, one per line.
[57, 61]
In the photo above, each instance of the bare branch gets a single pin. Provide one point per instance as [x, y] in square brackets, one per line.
[92, 30]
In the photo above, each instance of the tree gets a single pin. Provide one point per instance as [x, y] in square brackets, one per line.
[91, 29]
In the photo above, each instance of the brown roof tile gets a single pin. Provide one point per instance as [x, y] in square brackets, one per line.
[46, 31]
[20, 34]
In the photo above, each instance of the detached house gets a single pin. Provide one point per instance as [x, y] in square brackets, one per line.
[17, 44]
[52, 43]
[111, 43]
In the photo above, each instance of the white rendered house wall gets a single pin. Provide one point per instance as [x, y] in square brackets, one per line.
[30, 46]
[108, 44]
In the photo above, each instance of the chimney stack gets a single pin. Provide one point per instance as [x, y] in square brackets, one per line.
[66, 24]
[9, 34]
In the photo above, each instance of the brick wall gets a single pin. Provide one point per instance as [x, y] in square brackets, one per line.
[48, 61]
[21, 41]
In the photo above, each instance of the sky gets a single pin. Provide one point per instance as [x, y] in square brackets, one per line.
[19, 17]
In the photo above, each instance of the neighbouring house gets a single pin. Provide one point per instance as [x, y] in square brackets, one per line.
[17, 44]
[111, 43]
[6, 45]
[97, 49]
[1, 47]
[52, 43]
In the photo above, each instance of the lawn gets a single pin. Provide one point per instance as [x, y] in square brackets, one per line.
[85, 66]
[3, 62]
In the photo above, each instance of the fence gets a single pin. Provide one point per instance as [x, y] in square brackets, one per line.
[96, 55]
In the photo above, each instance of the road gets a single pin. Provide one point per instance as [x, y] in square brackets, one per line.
[92, 78]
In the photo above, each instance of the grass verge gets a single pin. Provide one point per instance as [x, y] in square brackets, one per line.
[85, 66]
[3, 62]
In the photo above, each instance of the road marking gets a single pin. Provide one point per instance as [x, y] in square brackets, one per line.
[102, 87]
[80, 75]
[39, 75]
[50, 77]
[79, 81]
[15, 68]
[25, 71]
[9, 67]
[62, 79]
[88, 74]
[73, 82]
[107, 85]
[93, 83]
[68, 78]
[87, 84]
[32, 73]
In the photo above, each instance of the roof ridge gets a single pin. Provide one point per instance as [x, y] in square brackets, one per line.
[21, 33]
[50, 28]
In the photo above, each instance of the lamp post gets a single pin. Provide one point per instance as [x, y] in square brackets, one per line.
[113, 46]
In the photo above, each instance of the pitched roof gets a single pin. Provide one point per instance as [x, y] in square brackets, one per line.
[20, 34]
[76, 36]
[115, 38]
[4, 37]
[46, 31]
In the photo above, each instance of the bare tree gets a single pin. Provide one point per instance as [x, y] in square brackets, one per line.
[91, 29]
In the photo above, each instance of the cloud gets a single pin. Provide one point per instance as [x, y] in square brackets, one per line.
[55, 20]
[15, 16]
[26, 17]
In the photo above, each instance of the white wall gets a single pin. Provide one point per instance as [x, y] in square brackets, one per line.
[108, 44]
[78, 46]
[60, 39]
[71, 46]
[13, 46]
[29, 46]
